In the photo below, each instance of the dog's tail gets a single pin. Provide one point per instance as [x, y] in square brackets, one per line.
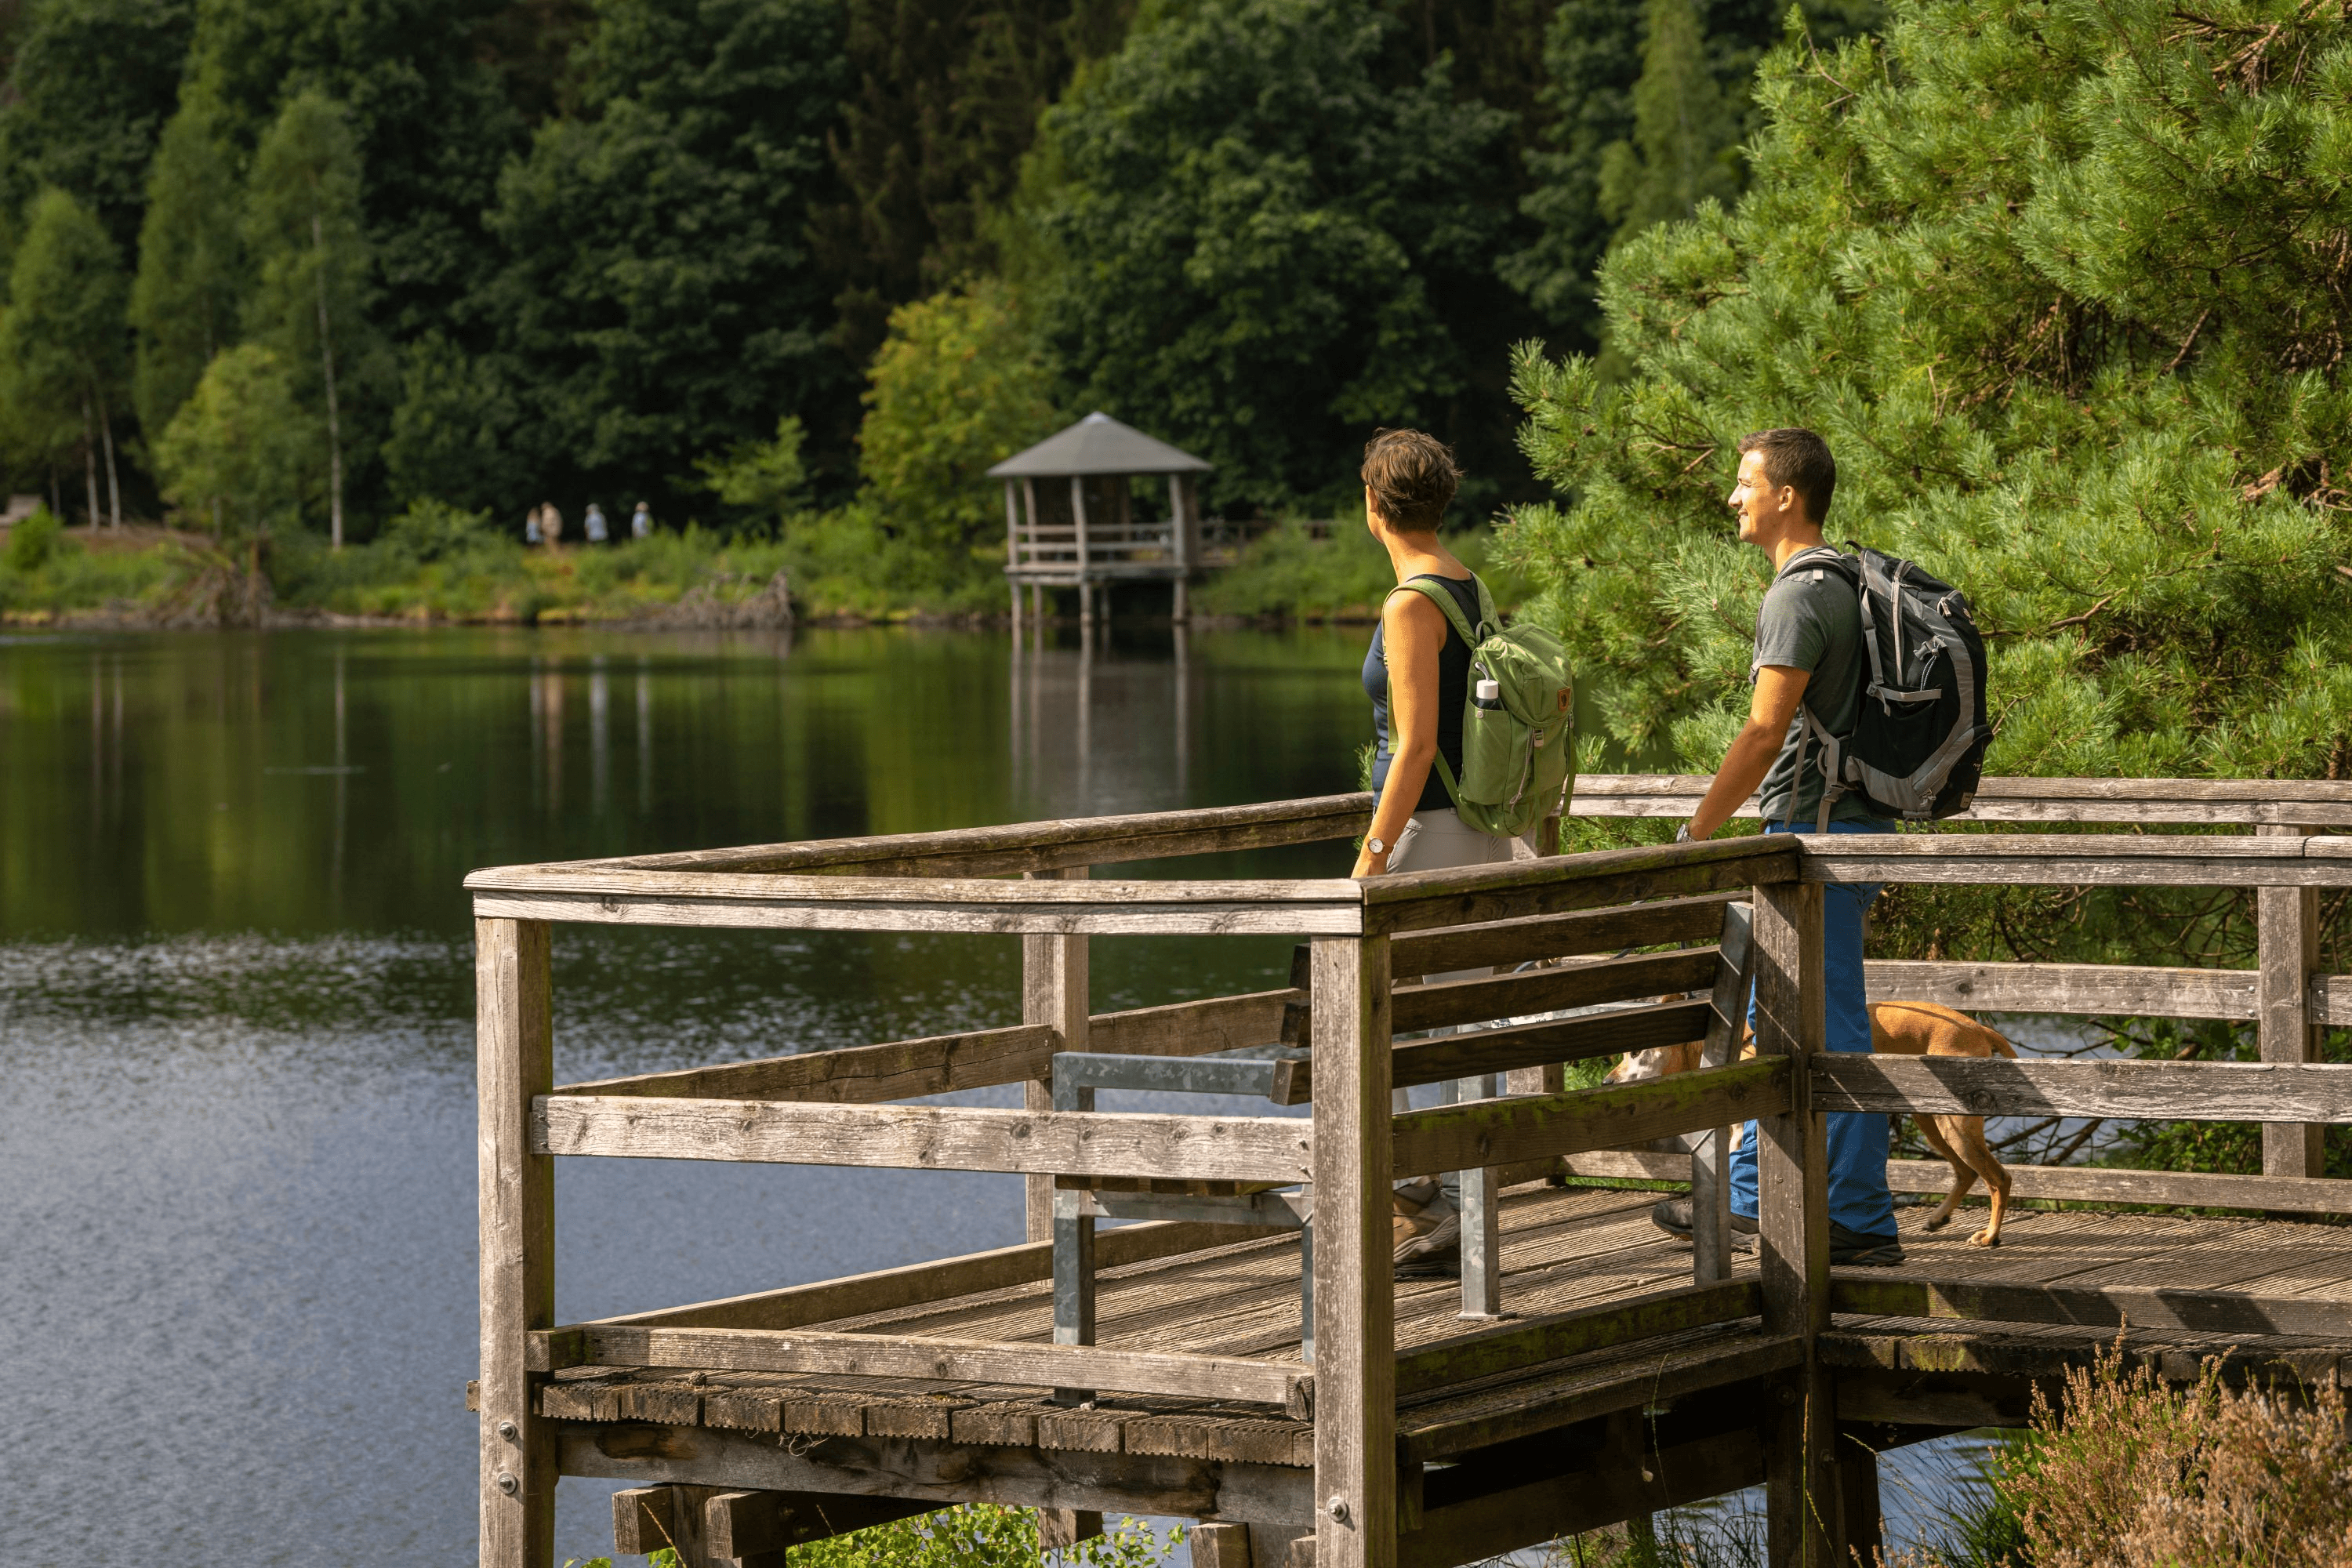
[2000, 1040]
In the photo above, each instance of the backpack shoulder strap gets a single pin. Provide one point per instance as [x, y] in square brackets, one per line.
[1444, 600]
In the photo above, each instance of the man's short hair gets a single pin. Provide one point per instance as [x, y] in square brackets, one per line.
[1800, 461]
[1412, 478]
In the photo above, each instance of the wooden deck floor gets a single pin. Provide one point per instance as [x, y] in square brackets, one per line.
[1562, 1248]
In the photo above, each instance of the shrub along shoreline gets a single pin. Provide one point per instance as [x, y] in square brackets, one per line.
[438, 567]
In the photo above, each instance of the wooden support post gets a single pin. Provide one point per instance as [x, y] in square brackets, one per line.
[1219, 1545]
[1711, 1160]
[1054, 988]
[1078, 536]
[2287, 929]
[1802, 1522]
[1482, 1233]
[646, 1519]
[1013, 551]
[1355, 1307]
[1857, 1482]
[514, 1049]
[1074, 1258]
[1059, 1528]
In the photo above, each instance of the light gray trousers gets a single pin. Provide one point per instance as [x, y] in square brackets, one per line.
[1440, 840]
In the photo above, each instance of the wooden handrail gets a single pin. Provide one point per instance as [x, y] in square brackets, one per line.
[2216, 801]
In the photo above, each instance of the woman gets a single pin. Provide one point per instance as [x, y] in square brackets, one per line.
[1418, 676]
[1418, 671]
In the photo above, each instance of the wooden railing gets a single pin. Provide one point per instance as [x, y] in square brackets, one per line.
[1365, 942]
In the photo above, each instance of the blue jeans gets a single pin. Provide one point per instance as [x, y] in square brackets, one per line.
[1859, 1141]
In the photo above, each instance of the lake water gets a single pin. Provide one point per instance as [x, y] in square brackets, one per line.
[236, 1165]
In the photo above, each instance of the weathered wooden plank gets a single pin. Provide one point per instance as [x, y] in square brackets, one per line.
[1455, 1002]
[2186, 1189]
[1710, 1167]
[2072, 859]
[2218, 802]
[1561, 1334]
[1877, 1293]
[1415, 900]
[1609, 1487]
[1510, 942]
[1546, 1403]
[2168, 1091]
[1502, 1132]
[941, 1472]
[1035, 845]
[856, 1075]
[915, 903]
[1193, 1029]
[2077, 988]
[1047, 1366]
[902, 1069]
[514, 1062]
[1055, 987]
[1520, 1045]
[1355, 1477]
[926, 1138]
[889, 1289]
[746, 1524]
[1792, 1197]
[2287, 946]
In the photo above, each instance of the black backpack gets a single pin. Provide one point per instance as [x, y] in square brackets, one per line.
[1918, 744]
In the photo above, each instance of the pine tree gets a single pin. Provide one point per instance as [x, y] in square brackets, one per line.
[183, 302]
[310, 256]
[62, 342]
[2064, 292]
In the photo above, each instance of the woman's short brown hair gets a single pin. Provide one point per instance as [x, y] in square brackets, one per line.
[1413, 477]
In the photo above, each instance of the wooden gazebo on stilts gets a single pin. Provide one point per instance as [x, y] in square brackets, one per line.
[1087, 536]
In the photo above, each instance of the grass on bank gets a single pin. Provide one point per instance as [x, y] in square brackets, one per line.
[435, 563]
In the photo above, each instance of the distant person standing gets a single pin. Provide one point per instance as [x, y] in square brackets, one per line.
[531, 526]
[593, 524]
[641, 522]
[550, 525]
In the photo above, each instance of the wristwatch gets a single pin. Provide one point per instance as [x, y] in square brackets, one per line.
[1374, 847]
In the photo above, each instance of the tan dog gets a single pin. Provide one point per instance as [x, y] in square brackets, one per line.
[1900, 1030]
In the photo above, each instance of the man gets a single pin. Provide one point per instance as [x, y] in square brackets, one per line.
[1810, 658]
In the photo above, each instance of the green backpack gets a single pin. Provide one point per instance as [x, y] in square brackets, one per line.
[1518, 747]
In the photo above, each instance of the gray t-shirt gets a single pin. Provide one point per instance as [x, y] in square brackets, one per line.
[1810, 621]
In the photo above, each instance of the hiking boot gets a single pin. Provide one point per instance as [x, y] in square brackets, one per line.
[1852, 1250]
[1424, 1232]
[1674, 1217]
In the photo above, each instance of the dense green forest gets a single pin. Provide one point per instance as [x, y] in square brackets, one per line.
[302, 267]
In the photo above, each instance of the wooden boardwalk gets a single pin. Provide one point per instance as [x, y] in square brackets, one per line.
[1563, 1249]
[1242, 1358]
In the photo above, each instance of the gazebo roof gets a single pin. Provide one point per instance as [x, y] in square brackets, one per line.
[1097, 443]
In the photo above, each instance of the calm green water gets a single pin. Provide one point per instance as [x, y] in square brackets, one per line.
[235, 1152]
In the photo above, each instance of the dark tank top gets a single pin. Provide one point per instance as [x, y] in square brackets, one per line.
[1453, 696]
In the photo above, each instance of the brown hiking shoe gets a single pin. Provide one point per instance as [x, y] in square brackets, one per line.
[1424, 1231]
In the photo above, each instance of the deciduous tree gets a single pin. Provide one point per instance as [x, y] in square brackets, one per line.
[241, 453]
[312, 261]
[1254, 247]
[86, 96]
[658, 301]
[191, 278]
[63, 345]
